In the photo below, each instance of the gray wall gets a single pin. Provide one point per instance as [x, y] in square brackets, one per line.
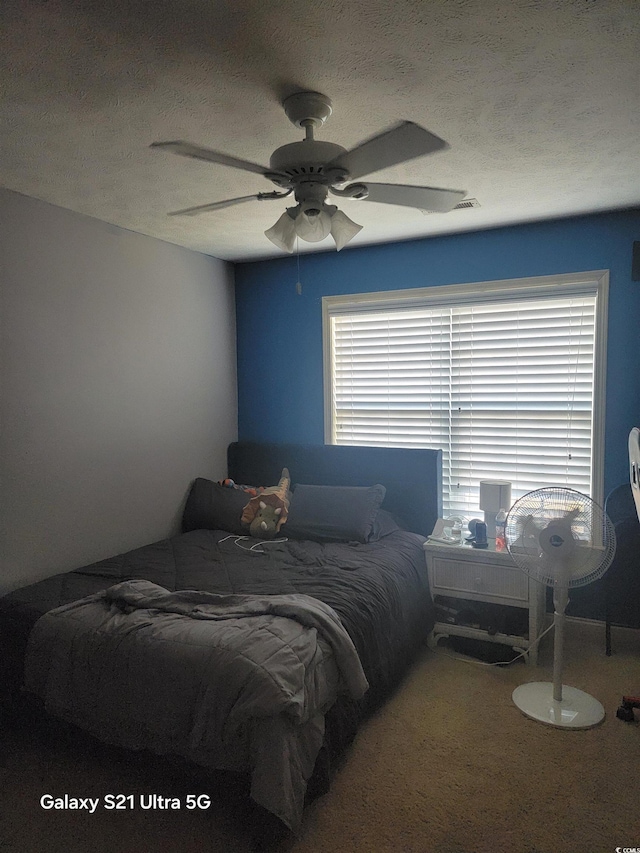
[118, 386]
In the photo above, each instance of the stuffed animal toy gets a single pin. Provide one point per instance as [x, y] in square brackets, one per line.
[228, 483]
[265, 522]
[269, 509]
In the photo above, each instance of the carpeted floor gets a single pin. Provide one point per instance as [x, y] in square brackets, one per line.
[449, 765]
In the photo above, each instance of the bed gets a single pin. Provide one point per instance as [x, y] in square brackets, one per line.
[263, 657]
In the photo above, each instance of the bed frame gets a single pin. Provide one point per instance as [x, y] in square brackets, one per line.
[413, 482]
[413, 478]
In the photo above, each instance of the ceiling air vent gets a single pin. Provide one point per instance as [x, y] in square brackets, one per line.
[463, 205]
[467, 202]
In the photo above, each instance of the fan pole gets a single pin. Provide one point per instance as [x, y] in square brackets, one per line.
[560, 601]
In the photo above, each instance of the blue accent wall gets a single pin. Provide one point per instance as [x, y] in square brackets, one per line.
[279, 333]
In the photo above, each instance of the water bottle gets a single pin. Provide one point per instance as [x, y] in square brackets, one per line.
[501, 524]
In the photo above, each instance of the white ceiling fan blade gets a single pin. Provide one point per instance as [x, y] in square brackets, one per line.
[396, 145]
[424, 198]
[218, 205]
[186, 149]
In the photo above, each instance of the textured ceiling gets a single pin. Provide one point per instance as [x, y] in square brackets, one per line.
[539, 101]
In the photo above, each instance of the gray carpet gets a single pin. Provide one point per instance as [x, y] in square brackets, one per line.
[449, 765]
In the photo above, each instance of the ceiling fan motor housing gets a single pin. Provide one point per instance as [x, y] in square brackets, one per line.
[307, 159]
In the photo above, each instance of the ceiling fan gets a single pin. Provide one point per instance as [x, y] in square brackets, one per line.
[312, 169]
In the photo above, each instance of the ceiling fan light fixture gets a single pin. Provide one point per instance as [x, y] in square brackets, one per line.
[312, 223]
[283, 233]
[310, 169]
[343, 229]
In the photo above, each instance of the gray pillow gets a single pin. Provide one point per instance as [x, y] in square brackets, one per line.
[337, 513]
[384, 524]
[211, 506]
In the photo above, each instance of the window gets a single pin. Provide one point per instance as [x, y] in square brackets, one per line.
[506, 377]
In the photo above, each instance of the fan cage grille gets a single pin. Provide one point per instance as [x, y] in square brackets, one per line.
[533, 523]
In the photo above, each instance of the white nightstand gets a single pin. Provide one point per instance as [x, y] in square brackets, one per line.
[486, 575]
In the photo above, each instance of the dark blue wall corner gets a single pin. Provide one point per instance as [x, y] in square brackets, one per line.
[280, 368]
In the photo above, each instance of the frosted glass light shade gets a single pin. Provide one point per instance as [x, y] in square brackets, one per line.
[283, 233]
[343, 229]
[313, 226]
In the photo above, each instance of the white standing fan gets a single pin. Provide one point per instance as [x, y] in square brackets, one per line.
[561, 538]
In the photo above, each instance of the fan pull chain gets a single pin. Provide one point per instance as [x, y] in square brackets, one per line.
[298, 282]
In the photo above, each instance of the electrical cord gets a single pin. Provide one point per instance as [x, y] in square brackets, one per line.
[254, 548]
[497, 663]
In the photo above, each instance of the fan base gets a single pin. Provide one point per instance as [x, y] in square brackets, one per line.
[576, 710]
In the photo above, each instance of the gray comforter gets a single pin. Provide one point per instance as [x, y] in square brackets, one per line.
[228, 681]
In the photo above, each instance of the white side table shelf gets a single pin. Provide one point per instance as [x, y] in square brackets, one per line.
[486, 575]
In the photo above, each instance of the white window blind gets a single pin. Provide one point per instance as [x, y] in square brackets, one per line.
[503, 384]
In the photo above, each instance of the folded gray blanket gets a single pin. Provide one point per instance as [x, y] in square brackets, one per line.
[239, 682]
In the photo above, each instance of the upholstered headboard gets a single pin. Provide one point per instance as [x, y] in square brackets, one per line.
[413, 478]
